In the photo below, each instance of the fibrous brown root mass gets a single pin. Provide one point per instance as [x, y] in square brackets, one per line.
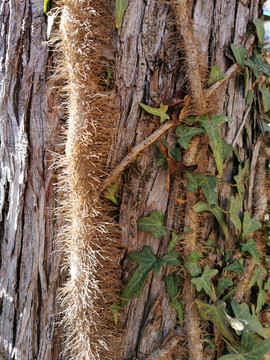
[90, 236]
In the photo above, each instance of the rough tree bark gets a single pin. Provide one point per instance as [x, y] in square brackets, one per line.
[29, 134]
[149, 68]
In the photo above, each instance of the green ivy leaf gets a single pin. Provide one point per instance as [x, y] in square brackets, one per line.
[235, 207]
[267, 285]
[187, 230]
[185, 133]
[235, 267]
[175, 154]
[215, 75]
[213, 132]
[226, 149]
[241, 178]
[265, 98]
[251, 322]
[153, 223]
[120, 9]
[174, 240]
[259, 270]
[161, 112]
[258, 64]
[217, 315]
[110, 193]
[147, 262]
[172, 282]
[216, 211]
[249, 225]
[259, 29]
[250, 97]
[203, 282]
[206, 183]
[259, 348]
[249, 246]
[260, 299]
[196, 180]
[223, 283]
[191, 261]
[239, 54]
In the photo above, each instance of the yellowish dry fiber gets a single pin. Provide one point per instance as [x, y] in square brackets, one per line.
[90, 238]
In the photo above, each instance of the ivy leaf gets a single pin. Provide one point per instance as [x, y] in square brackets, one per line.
[120, 9]
[216, 211]
[239, 54]
[251, 322]
[175, 154]
[213, 132]
[235, 267]
[196, 180]
[235, 207]
[241, 178]
[172, 282]
[153, 223]
[226, 149]
[259, 348]
[258, 64]
[267, 285]
[174, 240]
[191, 261]
[249, 246]
[215, 75]
[217, 315]
[210, 190]
[110, 193]
[161, 112]
[259, 29]
[147, 262]
[249, 225]
[185, 133]
[250, 97]
[223, 283]
[221, 119]
[203, 282]
[265, 98]
[259, 270]
[260, 299]
[206, 183]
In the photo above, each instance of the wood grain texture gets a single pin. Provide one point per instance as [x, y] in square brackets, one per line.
[29, 131]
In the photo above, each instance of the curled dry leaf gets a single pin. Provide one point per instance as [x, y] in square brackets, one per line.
[174, 167]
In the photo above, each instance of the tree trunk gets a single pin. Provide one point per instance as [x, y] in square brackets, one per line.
[29, 135]
[150, 67]
[160, 49]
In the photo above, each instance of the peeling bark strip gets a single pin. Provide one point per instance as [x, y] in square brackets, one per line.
[91, 249]
[29, 261]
